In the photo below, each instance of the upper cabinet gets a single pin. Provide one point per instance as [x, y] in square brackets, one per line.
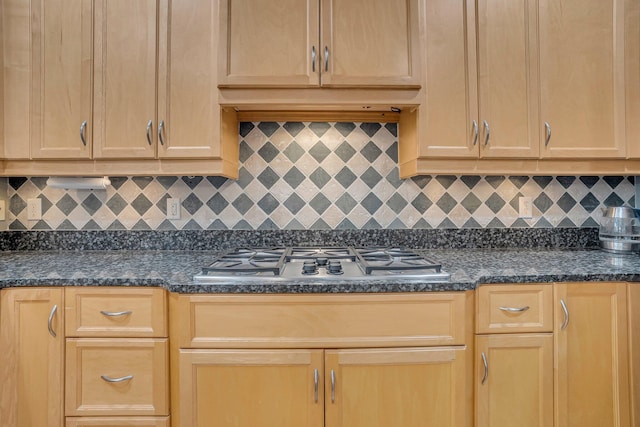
[112, 80]
[307, 43]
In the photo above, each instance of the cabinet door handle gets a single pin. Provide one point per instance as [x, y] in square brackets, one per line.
[475, 132]
[547, 128]
[514, 309]
[116, 380]
[313, 59]
[486, 368]
[50, 322]
[316, 382]
[149, 125]
[115, 313]
[161, 132]
[83, 137]
[333, 386]
[487, 132]
[326, 58]
[566, 315]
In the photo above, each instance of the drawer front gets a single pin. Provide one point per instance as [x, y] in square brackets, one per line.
[515, 308]
[117, 377]
[115, 312]
[320, 321]
[117, 422]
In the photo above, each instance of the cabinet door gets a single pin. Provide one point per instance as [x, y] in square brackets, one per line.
[269, 43]
[515, 387]
[257, 388]
[61, 121]
[125, 45]
[591, 351]
[507, 70]
[582, 77]
[188, 110]
[448, 117]
[408, 387]
[370, 43]
[32, 356]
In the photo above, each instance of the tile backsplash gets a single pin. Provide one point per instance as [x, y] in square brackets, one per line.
[315, 176]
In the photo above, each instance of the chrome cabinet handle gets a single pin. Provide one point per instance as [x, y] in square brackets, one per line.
[514, 309]
[326, 58]
[313, 59]
[566, 315]
[487, 132]
[333, 386]
[161, 132]
[116, 380]
[149, 125]
[475, 132]
[486, 368]
[316, 381]
[547, 127]
[83, 128]
[50, 322]
[115, 313]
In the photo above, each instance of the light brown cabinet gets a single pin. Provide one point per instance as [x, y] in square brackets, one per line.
[242, 359]
[307, 43]
[32, 357]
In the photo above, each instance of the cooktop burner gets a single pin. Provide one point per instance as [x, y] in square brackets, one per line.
[302, 264]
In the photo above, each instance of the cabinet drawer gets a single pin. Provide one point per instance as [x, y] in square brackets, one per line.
[137, 368]
[117, 422]
[515, 308]
[115, 312]
[320, 321]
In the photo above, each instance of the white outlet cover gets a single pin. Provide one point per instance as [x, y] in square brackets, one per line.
[173, 208]
[34, 209]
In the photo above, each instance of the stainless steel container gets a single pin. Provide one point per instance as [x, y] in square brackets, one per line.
[619, 229]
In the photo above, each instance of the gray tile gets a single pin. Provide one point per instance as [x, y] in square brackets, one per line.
[268, 152]
[495, 223]
[45, 203]
[17, 225]
[371, 152]
[495, 203]
[470, 180]
[589, 202]
[370, 128]
[446, 180]
[118, 181]
[590, 222]
[471, 203]
[446, 224]
[141, 204]
[320, 177]
[589, 181]
[345, 151]
[244, 128]
[543, 223]
[345, 128]
[371, 203]
[421, 203]
[16, 182]
[320, 224]
[294, 203]
[293, 177]
[294, 224]
[192, 225]
[566, 222]
[244, 177]
[566, 202]
[242, 203]
[393, 178]
[217, 203]
[446, 203]
[397, 225]
[16, 204]
[346, 203]
[40, 182]
[371, 177]
[294, 151]
[495, 181]
[167, 225]
[192, 203]
[566, 181]
[217, 225]
[268, 128]
[319, 128]
[392, 152]
[422, 224]
[167, 181]
[142, 181]
[471, 223]
[217, 181]
[294, 128]
[41, 225]
[392, 128]
[542, 202]
[91, 225]
[320, 203]
[161, 204]
[397, 203]
[91, 204]
[141, 225]
[371, 224]
[268, 203]
[345, 224]
[345, 177]
[268, 177]
[116, 204]
[192, 181]
[542, 181]
[267, 224]
[519, 181]
[319, 151]
[421, 181]
[519, 223]
[242, 225]
[613, 181]
[245, 151]
[613, 200]
[116, 225]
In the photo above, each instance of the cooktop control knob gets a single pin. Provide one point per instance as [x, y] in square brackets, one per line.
[309, 267]
[334, 267]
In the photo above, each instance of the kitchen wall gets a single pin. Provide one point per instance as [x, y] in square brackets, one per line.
[315, 176]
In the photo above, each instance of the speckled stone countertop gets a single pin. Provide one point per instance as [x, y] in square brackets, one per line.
[173, 270]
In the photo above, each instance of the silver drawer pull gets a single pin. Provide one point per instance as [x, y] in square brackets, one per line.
[50, 321]
[116, 313]
[486, 368]
[116, 380]
[515, 309]
[316, 382]
[333, 386]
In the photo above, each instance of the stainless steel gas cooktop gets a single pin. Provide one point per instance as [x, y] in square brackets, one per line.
[312, 264]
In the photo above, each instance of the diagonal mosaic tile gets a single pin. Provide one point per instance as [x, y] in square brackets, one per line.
[338, 175]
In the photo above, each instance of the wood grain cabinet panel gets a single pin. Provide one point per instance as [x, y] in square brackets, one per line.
[118, 422]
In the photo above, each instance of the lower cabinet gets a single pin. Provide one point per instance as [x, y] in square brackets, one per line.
[334, 377]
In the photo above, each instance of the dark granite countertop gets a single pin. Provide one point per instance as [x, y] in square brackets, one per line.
[174, 270]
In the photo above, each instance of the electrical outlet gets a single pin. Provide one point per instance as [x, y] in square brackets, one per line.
[525, 207]
[34, 209]
[3, 210]
[173, 208]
